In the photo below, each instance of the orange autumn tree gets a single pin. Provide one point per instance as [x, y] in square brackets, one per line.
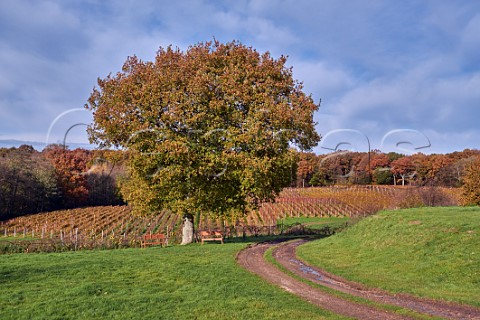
[207, 130]
[306, 164]
[70, 168]
[402, 169]
[380, 168]
[471, 183]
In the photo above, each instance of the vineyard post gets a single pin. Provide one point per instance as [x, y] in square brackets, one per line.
[223, 226]
[167, 236]
[76, 238]
[6, 232]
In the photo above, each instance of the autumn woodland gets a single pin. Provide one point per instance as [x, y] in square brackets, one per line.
[58, 178]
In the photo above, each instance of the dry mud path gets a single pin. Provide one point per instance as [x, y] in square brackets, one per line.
[252, 258]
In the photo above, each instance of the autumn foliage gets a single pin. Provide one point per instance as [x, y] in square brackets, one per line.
[207, 130]
[70, 168]
[33, 181]
[471, 183]
[353, 168]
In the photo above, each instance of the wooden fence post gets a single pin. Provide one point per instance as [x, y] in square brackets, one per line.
[76, 238]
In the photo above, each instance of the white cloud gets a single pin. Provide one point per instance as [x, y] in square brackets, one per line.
[470, 43]
[413, 96]
[448, 141]
[322, 78]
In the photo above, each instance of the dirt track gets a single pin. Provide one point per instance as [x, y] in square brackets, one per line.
[252, 259]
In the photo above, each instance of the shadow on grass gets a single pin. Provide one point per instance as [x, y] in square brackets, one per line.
[272, 238]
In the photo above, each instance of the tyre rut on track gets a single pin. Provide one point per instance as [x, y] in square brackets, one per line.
[253, 260]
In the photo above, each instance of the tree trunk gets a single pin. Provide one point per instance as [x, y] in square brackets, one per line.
[187, 231]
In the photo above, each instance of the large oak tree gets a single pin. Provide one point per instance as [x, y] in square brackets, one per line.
[207, 130]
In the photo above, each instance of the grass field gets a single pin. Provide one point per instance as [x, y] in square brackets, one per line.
[431, 252]
[181, 282]
[315, 222]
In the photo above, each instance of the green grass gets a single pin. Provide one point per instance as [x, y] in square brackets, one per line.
[398, 310]
[19, 238]
[430, 252]
[181, 282]
[314, 222]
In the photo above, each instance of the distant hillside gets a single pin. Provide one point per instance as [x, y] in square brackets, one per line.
[12, 143]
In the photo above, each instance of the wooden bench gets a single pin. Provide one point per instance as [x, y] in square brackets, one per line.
[211, 236]
[154, 239]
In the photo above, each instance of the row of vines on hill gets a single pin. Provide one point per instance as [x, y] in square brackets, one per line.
[115, 226]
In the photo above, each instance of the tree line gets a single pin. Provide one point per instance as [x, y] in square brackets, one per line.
[58, 178]
[392, 168]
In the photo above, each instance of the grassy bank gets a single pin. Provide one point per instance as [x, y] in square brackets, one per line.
[191, 282]
[431, 252]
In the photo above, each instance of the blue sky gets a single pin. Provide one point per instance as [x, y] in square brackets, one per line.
[391, 71]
